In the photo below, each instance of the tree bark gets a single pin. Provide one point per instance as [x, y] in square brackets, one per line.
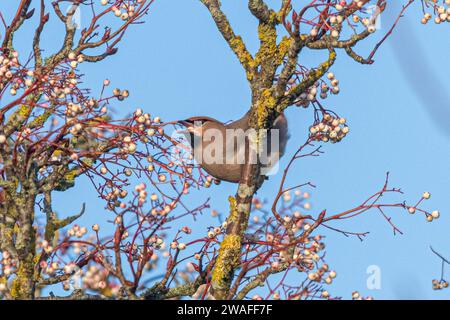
[237, 222]
[18, 238]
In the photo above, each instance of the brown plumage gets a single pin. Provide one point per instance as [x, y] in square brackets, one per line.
[230, 170]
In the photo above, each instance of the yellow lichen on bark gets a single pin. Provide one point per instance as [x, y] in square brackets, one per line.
[228, 256]
[268, 36]
[264, 105]
[20, 287]
[283, 49]
[227, 260]
[245, 58]
[233, 208]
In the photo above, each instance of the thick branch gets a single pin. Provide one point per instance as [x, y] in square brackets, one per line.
[259, 9]
[235, 42]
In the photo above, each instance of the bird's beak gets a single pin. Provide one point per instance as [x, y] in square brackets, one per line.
[185, 123]
[190, 127]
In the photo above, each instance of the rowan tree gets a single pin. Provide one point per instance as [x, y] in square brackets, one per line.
[53, 131]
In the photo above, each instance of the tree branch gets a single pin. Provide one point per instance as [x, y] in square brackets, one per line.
[234, 41]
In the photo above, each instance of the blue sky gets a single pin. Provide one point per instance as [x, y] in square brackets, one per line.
[177, 65]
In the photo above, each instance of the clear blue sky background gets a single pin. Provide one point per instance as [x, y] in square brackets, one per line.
[177, 65]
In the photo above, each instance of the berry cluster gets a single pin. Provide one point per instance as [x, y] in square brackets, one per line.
[75, 59]
[7, 266]
[76, 231]
[53, 267]
[330, 128]
[320, 88]
[95, 278]
[8, 64]
[442, 13]
[430, 216]
[357, 296]
[334, 25]
[125, 11]
[439, 284]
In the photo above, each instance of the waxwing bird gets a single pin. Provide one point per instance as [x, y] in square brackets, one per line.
[219, 148]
